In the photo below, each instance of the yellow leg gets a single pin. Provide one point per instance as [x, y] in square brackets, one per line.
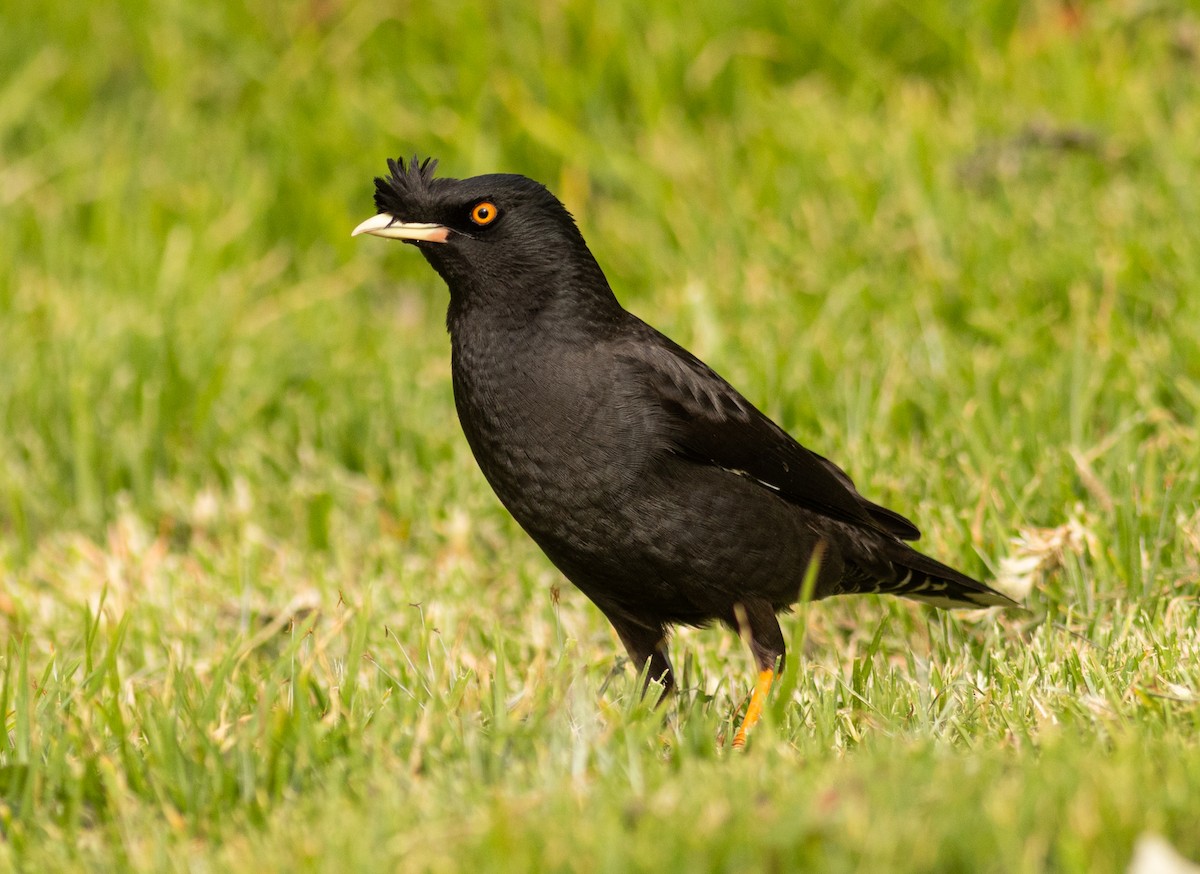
[755, 708]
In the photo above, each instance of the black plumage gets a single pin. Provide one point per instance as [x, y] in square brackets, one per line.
[650, 482]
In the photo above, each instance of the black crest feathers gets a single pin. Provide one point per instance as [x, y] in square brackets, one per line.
[406, 183]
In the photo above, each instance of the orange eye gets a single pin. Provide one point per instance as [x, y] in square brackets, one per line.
[484, 213]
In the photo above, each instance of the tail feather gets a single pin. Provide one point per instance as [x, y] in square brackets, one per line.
[924, 579]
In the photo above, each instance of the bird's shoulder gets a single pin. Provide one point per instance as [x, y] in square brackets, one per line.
[678, 379]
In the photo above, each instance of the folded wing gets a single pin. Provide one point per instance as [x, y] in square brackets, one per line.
[710, 422]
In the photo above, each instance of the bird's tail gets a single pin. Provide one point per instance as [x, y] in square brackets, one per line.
[924, 579]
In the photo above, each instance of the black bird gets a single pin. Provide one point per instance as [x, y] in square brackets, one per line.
[651, 483]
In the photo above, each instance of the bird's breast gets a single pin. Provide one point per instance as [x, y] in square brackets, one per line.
[551, 433]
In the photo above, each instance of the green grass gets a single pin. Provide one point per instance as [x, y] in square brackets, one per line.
[260, 612]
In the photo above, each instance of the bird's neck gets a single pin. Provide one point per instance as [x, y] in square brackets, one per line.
[569, 296]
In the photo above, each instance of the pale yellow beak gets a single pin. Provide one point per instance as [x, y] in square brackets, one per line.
[387, 225]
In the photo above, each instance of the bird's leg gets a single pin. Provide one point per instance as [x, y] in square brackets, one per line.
[755, 620]
[754, 709]
[647, 648]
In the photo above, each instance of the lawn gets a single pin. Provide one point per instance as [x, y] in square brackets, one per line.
[259, 611]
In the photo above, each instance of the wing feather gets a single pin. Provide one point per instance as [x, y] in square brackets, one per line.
[710, 422]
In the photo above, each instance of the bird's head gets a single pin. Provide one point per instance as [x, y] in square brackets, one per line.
[499, 236]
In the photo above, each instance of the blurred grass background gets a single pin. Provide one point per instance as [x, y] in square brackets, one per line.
[260, 610]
